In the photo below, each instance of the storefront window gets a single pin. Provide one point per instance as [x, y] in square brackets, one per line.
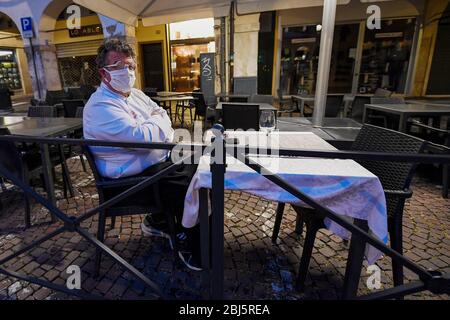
[385, 57]
[300, 56]
[188, 40]
[9, 70]
[77, 71]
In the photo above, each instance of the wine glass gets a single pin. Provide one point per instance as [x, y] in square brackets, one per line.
[267, 121]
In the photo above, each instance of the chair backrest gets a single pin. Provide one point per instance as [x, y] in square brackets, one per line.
[91, 160]
[150, 92]
[393, 175]
[5, 99]
[79, 113]
[200, 104]
[71, 106]
[334, 105]
[42, 111]
[53, 97]
[245, 85]
[280, 94]
[380, 92]
[358, 107]
[387, 100]
[76, 93]
[261, 98]
[240, 116]
[9, 155]
[87, 90]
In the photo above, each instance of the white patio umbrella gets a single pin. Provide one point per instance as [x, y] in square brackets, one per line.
[153, 12]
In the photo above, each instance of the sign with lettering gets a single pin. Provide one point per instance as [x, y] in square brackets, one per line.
[27, 27]
[91, 30]
[207, 75]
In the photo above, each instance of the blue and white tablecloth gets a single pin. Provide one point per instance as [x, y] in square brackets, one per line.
[341, 185]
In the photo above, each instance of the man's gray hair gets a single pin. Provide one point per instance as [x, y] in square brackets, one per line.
[112, 44]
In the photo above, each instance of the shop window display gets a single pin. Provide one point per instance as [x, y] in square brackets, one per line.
[9, 70]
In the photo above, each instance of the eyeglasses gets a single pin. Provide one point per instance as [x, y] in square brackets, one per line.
[121, 65]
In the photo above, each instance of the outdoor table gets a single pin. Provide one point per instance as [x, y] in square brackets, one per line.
[406, 111]
[43, 127]
[262, 106]
[342, 185]
[172, 93]
[166, 103]
[309, 99]
[230, 95]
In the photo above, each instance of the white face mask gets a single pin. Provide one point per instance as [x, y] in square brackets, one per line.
[122, 80]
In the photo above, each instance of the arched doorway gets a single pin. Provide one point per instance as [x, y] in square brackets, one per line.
[14, 73]
[75, 49]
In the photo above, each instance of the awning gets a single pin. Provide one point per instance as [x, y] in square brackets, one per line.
[153, 12]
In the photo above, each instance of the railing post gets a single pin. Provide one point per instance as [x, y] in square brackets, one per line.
[218, 165]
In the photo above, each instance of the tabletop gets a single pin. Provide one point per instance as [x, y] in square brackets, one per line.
[44, 127]
[342, 185]
[233, 95]
[173, 98]
[9, 120]
[410, 108]
[172, 93]
[262, 106]
[327, 122]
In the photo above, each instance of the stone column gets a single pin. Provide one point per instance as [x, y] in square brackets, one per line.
[43, 68]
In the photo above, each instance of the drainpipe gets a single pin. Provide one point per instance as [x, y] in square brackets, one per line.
[222, 55]
[323, 72]
[231, 57]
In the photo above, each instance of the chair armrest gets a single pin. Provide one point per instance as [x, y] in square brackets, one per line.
[424, 126]
[121, 182]
[399, 193]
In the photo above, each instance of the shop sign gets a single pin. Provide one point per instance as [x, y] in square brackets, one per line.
[95, 29]
[389, 35]
[303, 40]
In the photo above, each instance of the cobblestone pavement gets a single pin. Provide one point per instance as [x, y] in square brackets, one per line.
[254, 268]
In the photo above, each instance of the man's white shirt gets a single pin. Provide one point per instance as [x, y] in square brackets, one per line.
[136, 118]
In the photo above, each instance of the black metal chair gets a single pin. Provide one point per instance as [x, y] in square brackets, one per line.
[440, 144]
[143, 202]
[262, 98]
[395, 178]
[5, 99]
[333, 105]
[286, 106]
[240, 116]
[76, 93]
[42, 111]
[150, 92]
[54, 97]
[24, 165]
[71, 106]
[87, 90]
[358, 110]
[57, 152]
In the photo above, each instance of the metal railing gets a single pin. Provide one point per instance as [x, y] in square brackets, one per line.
[435, 282]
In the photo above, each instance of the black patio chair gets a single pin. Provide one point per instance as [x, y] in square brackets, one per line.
[54, 97]
[395, 178]
[24, 166]
[261, 98]
[76, 93]
[240, 116]
[358, 110]
[150, 92]
[71, 106]
[286, 106]
[42, 111]
[440, 144]
[142, 202]
[333, 105]
[87, 90]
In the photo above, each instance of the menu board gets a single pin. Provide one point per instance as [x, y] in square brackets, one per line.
[207, 75]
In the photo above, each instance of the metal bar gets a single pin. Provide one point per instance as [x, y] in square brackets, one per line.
[50, 285]
[323, 69]
[18, 182]
[136, 188]
[395, 292]
[354, 262]
[32, 245]
[204, 240]
[218, 158]
[97, 243]
[423, 274]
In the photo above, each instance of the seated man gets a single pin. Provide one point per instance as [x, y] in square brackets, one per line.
[119, 112]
